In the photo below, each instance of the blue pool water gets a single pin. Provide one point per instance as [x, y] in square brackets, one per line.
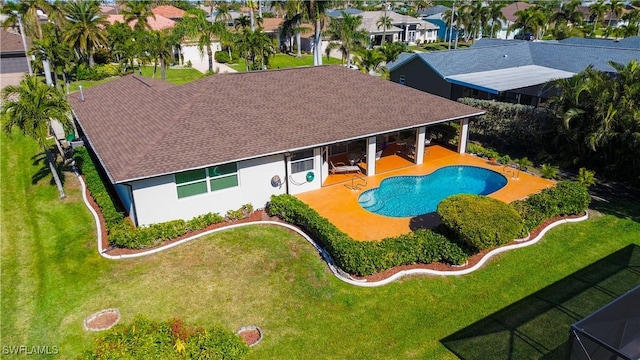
[406, 196]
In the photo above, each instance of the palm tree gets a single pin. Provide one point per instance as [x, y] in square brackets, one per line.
[85, 27]
[597, 10]
[195, 24]
[569, 13]
[476, 17]
[315, 9]
[385, 23]
[30, 107]
[140, 11]
[615, 8]
[255, 47]
[51, 49]
[391, 51]
[529, 20]
[242, 22]
[346, 30]
[294, 15]
[159, 45]
[29, 12]
[369, 60]
[494, 13]
[224, 13]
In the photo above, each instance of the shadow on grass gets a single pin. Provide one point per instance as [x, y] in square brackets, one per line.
[40, 160]
[537, 327]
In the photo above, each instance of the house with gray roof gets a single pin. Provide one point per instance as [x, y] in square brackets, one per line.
[13, 59]
[215, 144]
[404, 28]
[505, 70]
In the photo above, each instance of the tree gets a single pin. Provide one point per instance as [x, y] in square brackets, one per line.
[295, 14]
[385, 23]
[568, 14]
[121, 43]
[391, 51]
[140, 12]
[159, 46]
[224, 13]
[369, 60]
[85, 27]
[255, 47]
[32, 111]
[347, 31]
[478, 16]
[615, 9]
[596, 11]
[529, 20]
[315, 9]
[494, 13]
[195, 24]
[53, 50]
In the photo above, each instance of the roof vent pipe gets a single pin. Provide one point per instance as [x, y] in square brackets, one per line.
[81, 93]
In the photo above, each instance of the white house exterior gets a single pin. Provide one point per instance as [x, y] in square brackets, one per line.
[216, 144]
[405, 28]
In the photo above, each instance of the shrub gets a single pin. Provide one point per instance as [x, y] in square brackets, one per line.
[549, 171]
[366, 257]
[586, 177]
[479, 221]
[222, 57]
[147, 339]
[566, 198]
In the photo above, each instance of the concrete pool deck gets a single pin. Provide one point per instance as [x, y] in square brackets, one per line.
[340, 205]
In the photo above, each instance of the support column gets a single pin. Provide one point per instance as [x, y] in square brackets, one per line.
[371, 156]
[419, 145]
[463, 135]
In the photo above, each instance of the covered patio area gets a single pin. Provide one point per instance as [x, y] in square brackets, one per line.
[339, 203]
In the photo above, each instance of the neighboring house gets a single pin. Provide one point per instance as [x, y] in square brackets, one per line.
[435, 15]
[509, 13]
[506, 70]
[172, 153]
[13, 59]
[404, 28]
[169, 12]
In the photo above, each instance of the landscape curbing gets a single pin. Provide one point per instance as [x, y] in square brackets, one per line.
[337, 272]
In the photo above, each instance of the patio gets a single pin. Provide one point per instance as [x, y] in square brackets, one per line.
[338, 203]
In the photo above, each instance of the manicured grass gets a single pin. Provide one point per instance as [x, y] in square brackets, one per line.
[52, 278]
[282, 61]
[174, 76]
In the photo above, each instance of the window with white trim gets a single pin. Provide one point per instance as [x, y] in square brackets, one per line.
[302, 161]
[202, 181]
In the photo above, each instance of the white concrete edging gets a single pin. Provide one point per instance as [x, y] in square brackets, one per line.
[339, 273]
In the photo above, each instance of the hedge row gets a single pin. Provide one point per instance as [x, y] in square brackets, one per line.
[566, 198]
[121, 233]
[147, 339]
[366, 257]
[480, 222]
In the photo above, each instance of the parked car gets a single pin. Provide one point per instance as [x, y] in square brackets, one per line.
[525, 36]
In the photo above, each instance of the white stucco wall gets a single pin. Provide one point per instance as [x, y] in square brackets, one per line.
[298, 182]
[156, 199]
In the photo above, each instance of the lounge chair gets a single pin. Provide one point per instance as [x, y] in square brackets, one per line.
[342, 168]
[378, 155]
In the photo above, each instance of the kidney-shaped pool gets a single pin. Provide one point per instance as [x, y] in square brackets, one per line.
[406, 196]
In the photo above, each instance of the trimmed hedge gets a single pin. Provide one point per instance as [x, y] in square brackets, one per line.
[366, 257]
[566, 198]
[147, 339]
[121, 233]
[480, 222]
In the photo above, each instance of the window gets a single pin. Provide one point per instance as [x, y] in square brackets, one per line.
[401, 81]
[201, 181]
[192, 182]
[223, 176]
[302, 161]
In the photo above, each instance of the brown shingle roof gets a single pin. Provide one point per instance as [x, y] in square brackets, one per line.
[141, 130]
[10, 42]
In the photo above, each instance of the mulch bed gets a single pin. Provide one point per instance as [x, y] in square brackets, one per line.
[102, 320]
[250, 335]
[261, 215]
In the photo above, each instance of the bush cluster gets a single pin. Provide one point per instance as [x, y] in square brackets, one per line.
[120, 231]
[147, 339]
[98, 72]
[512, 125]
[566, 198]
[480, 222]
[366, 257]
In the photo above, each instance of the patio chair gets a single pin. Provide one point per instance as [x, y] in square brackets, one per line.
[378, 155]
[342, 168]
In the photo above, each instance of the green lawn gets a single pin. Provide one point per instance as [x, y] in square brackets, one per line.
[282, 61]
[52, 278]
[174, 75]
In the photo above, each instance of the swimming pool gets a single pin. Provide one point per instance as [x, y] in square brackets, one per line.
[406, 196]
